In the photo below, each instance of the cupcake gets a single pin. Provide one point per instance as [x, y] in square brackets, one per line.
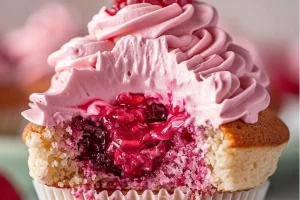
[282, 62]
[29, 46]
[23, 60]
[157, 102]
[11, 96]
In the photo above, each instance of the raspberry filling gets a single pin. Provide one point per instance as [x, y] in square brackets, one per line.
[119, 4]
[131, 137]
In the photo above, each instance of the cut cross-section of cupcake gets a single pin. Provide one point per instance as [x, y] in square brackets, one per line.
[156, 98]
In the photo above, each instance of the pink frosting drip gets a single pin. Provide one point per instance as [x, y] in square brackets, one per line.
[177, 50]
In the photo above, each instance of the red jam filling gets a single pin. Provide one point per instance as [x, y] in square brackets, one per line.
[119, 4]
[131, 137]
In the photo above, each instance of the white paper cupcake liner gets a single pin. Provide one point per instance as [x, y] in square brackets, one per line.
[51, 193]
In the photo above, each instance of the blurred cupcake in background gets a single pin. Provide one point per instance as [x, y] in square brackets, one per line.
[12, 98]
[23, 59]
[28, 47]
[6, 73]
[282, 62]
[293, 68]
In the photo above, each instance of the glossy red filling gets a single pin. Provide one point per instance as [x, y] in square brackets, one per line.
[119, 4]
[131, 137]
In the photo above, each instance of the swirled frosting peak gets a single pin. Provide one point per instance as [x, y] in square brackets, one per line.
[146, 48]
[119, 4]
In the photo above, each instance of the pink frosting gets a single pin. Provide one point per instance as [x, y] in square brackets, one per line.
[152, 21]
[79, 52]
[171, 50]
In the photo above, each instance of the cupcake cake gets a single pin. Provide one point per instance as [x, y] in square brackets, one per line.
[157, 102]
